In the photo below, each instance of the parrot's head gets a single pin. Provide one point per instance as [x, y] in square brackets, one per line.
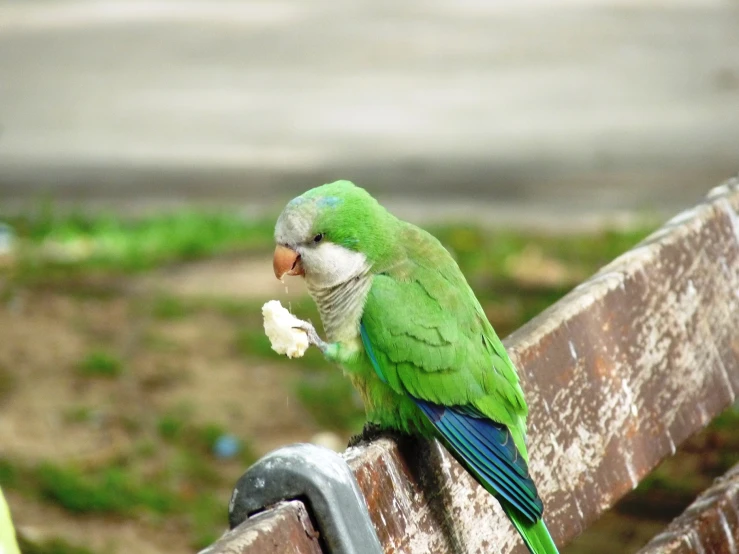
[331, 234]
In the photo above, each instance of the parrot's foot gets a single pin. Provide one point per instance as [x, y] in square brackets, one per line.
[313, 337]
[370, 432]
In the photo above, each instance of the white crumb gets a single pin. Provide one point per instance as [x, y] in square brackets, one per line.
[279, 327]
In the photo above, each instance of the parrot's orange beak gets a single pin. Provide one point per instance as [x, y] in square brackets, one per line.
[286, 262]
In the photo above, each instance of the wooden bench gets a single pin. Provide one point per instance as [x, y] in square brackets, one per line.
[617, 374]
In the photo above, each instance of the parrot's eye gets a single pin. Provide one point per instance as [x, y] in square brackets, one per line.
[318, 238]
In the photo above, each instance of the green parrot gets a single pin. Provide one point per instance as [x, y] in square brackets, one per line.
[407, 330]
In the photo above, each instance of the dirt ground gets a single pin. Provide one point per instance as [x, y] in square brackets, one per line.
[181, 361]
[184, 364]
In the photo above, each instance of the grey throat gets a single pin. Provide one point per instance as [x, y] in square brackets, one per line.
[341, 306]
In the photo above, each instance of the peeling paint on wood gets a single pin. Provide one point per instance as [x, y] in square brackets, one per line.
[285, 529]
[617, 374]
[710, 524]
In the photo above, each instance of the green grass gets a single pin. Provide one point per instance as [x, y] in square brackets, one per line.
[50, 546]
[207, 520]
[728, 421]
[172, 307]
[100, 363]
[53, 243]
[79, 414]
[169, 308]
[7, 383]
[331, 399]
[476, 247]
[251, 341]
[171, 471]
[112, 490]
[198, 439]
[670, 487]
[10, 476]
[171, 427]
[181, 488]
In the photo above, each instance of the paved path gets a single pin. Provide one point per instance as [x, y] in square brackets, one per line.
[568, 105]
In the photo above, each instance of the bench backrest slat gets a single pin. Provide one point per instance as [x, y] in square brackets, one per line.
[710, 524]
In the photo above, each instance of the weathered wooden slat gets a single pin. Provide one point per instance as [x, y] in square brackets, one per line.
[709, 525]
[285, 529]
[616, 374]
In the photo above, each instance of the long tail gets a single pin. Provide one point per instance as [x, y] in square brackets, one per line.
[536, 535]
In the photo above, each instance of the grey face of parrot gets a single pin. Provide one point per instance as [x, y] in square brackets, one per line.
[302, 251]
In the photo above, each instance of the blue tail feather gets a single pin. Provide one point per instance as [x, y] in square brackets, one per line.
[504, 487]
[487, 449]
[507, 450]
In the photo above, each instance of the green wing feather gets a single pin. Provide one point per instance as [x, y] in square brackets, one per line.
[436, 346]
[436, 343]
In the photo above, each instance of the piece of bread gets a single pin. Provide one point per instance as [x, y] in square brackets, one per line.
[279, 327]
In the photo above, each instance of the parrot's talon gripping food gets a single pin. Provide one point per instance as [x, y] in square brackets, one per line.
[313, 338]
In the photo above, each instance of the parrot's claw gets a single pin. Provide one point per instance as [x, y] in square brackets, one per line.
[370, 432]
[313, 337]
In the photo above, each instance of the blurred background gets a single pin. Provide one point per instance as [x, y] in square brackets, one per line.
[147, 146]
